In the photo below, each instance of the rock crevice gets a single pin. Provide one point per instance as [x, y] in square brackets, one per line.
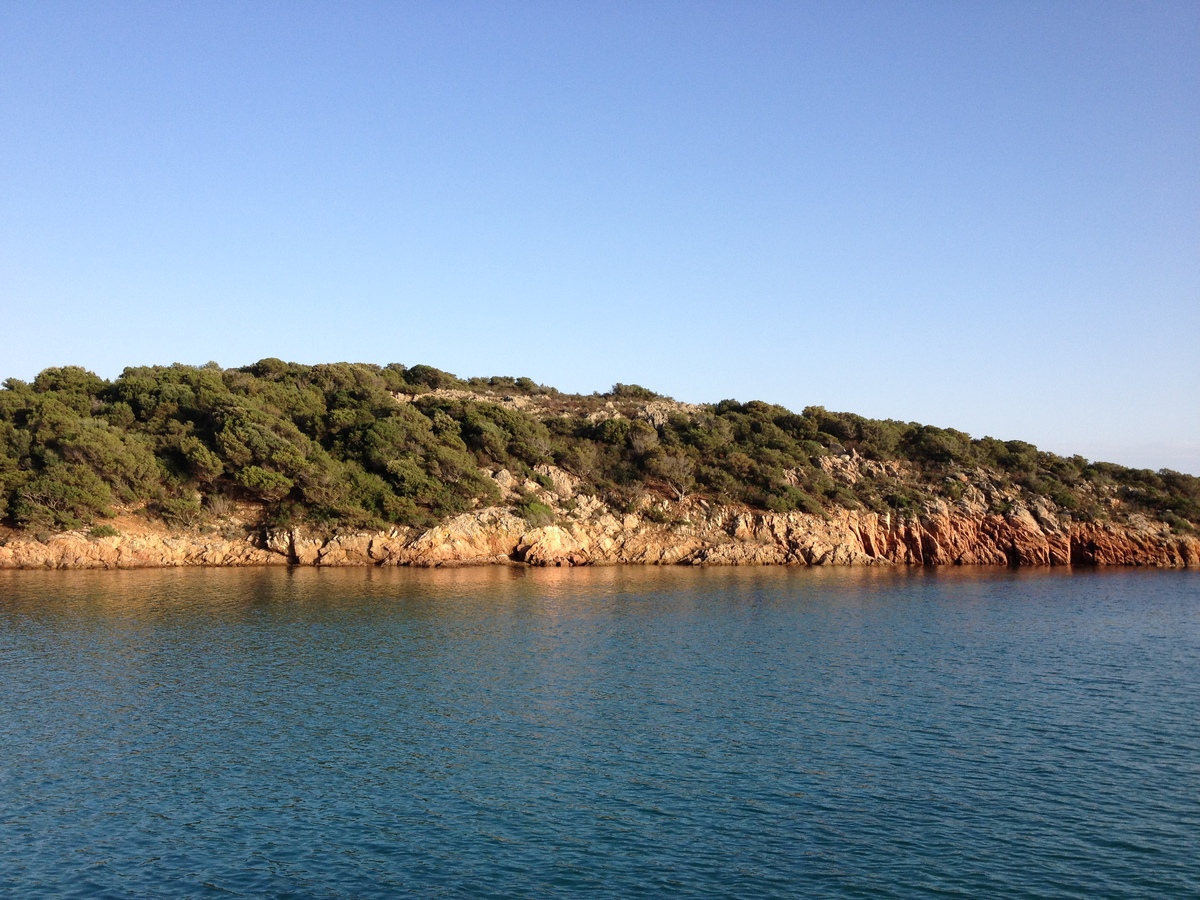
[595, 535]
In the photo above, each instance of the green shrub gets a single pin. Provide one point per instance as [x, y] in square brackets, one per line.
[183, 512]
[102, 531]
[63, 496]
[900, 501]
[657, 514]
[429, 377]
[788, 499]
[632, 392]
[205, 464]
[264, 483]
[536, 513]
[330, 444]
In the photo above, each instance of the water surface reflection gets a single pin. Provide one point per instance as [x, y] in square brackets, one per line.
[624, 731]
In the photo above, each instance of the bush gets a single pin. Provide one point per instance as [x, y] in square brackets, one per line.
[63, 496]
[632, 392]
[268, 485]
[536, 513]
[330, 444]
[219, 505]
[789, 499]
[428, 376]
[658, 515]
[181, 512]
[124, 461]
[205, 465]
[900, 501]
[102, 531]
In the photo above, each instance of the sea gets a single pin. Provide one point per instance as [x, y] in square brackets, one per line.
[603, 732]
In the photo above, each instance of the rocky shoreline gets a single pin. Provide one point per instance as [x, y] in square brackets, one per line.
[698, 535]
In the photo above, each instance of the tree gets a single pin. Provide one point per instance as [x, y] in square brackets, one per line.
[677, 470]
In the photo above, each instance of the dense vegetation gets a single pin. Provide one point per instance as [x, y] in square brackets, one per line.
[355, 445]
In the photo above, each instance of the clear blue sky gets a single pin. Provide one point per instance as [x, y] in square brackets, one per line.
[978, 215]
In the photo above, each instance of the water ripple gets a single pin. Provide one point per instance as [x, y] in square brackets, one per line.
[620, 733]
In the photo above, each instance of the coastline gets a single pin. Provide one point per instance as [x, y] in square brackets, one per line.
[699, 535]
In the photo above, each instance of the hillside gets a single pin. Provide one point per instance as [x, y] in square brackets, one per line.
[354, 447]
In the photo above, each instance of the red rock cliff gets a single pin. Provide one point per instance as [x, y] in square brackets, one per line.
[593, 535]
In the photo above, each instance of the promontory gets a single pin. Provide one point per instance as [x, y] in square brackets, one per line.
[356, 464]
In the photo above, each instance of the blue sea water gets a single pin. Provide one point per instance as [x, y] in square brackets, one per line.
[622, 732]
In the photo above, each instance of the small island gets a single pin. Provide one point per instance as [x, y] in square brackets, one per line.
[356, 464]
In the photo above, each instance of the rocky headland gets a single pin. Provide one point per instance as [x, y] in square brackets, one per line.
[587, 532]
[352, 464]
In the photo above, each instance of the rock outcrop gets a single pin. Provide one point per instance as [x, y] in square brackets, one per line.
[143, 550]
[668, 534]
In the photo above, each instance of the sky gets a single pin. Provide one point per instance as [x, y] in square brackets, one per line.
[983, 216]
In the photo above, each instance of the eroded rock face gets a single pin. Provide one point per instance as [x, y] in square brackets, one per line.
[76, 551]
[964, 533]
[563, 484]
[488, 536]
